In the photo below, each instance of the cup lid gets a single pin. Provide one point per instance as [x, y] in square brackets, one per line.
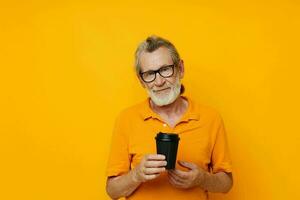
[167, 136]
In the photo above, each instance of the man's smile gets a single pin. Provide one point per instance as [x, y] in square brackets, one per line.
[161, 90]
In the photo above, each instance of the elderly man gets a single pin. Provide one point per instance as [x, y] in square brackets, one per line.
[134, 170]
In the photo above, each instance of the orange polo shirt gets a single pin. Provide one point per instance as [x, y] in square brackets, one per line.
[202, 142]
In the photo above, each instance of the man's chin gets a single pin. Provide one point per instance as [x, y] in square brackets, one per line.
[160, 104]
[161, 97]
[161, 101]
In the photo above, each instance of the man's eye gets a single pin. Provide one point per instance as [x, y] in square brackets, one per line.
[167, 68]
[163, 69]
[150, 73]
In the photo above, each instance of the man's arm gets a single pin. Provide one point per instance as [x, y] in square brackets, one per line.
[150, 167]
[218, 182]
[121, 186]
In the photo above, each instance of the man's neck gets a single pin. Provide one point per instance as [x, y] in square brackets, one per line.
[178, 107]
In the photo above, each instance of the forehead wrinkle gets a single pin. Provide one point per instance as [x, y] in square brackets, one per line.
[156, 59]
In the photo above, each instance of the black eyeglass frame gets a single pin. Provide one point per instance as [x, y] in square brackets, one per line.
[159, 72]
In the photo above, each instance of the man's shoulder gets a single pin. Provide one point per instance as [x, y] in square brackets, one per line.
[134, 109]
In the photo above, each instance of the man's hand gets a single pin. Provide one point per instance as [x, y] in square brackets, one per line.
[186, 179]
[150, 167]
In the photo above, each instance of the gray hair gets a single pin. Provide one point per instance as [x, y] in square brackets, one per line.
[151, 44]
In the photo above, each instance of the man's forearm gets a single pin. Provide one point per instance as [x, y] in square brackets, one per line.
[219, 182]
[122, 186]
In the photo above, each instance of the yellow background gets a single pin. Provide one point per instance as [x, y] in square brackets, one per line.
[67, 70]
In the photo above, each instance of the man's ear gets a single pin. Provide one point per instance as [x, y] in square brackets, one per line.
[181, 69]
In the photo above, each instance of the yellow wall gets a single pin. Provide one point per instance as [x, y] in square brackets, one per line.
[66, 72]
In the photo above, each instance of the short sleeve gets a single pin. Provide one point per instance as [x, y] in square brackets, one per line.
[220, 159]
[119, 158]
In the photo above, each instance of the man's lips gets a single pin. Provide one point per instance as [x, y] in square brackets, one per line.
[161, 90]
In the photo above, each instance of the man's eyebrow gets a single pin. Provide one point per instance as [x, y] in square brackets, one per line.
[164, 65]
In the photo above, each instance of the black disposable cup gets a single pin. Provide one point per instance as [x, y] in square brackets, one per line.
[167, 144]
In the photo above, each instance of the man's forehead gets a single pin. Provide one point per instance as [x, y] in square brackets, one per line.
[156, 59]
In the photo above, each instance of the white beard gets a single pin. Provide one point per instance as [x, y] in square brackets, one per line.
[169, 97]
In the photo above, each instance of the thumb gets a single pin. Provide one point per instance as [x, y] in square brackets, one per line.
[187, 164]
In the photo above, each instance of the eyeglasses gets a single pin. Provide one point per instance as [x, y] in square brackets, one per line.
[165, 71]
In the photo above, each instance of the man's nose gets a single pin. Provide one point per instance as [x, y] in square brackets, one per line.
[159, 80]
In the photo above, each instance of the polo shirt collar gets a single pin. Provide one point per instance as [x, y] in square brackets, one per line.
[191, 114]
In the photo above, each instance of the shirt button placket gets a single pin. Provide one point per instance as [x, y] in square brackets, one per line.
[166, 128]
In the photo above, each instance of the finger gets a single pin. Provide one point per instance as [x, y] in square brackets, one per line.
[155, 164]
[149, 171]
[174, 182]
[181, 174]
[176, 178]
[155, 157]
[187, 165]
[152, 176]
